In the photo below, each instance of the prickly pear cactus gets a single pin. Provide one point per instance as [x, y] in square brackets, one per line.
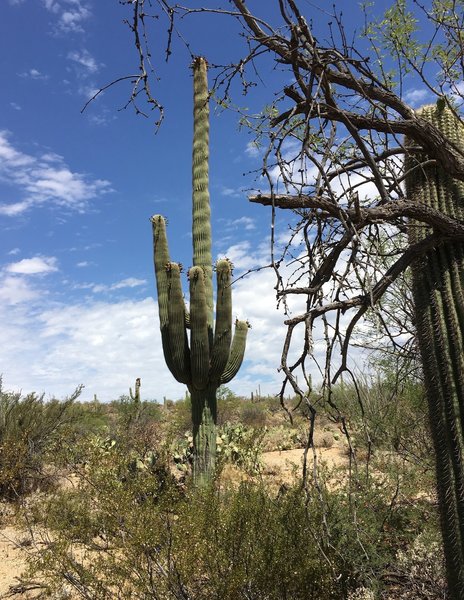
[439, 305]
[200, 353]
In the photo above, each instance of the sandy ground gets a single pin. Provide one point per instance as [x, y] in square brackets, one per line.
[288, 459]
[12, 561]
[282, 466]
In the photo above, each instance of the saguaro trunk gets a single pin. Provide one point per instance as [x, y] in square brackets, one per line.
[204, 416]
[439, 304]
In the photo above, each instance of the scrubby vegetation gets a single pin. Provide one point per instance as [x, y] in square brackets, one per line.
[123, 519]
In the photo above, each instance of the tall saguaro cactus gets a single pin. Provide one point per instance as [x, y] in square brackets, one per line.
[205, 359]
[438, 280]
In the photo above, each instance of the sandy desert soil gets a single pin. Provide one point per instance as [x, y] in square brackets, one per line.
[12, 561]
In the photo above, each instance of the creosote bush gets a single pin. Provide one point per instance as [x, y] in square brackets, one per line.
[30, 432]
[387, 414]
[129, 529]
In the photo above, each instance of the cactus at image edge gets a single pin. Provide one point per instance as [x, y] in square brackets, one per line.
[199, 353]
[438, 295]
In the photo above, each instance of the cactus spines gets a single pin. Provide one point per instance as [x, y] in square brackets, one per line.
[203, 359]
[438, 293]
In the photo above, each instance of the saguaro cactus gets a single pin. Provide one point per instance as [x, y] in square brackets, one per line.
[439, 304]
[205, 359]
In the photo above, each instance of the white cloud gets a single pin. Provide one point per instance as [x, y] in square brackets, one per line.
[51, 157]
[34, 265]
[57, 349]
[54, 349]
[70, 14]
[233, 193]
[14, 251]
[242, 256]
[129, 283]
[15, 106]
[252, 150]
[52, 5]
[88, 91]
[84, 263]
[416, 97]
[44, 180]
[13, 209]
[243, 223]
[14, 290]
[98, 120]
[34, 74]
[85, 59]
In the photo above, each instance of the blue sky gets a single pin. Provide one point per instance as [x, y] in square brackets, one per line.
[77, 293]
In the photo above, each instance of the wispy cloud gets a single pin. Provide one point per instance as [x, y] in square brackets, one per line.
[130, 282]
[233, 192]
[33, 74]
[242, 256]
[252, 150]
[246, 223]
[97, 288]
[54, 349]
[416, 97]
[15, 106]
[14, 290]
[84, 59]
[70, 14]
[87, 90]
[101, 119]
[33, 266]
[44, 180]
[16, 287]
[13, 209]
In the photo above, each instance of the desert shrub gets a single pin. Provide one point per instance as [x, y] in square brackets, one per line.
[323, 439]
[225, 393]
[31, 430]
[89, 417]
[135, 425]
[284, 437]
[128, 413]
[387, 415]
[130, 530]
[228, 410]
[419, 571]
[252, 415]
[180, 418]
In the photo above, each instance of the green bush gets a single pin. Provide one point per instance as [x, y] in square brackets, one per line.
[31, 431]
[253, 415]
[387, 416]
[128, 529]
